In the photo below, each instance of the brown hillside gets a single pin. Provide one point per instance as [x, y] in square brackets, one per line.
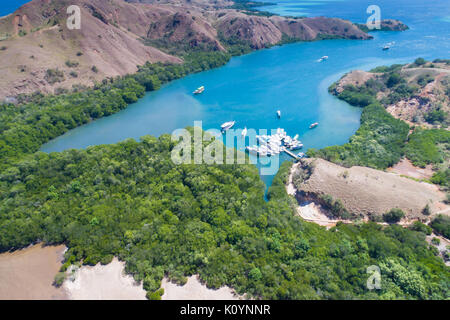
[365, 191]
[116, 36]
[48, 44]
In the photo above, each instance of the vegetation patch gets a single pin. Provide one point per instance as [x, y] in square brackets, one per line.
[441, 225]
[53, 76]
[378, 143]
[393, 216]
[428, 146]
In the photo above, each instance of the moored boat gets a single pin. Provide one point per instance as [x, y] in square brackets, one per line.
[199, 90]
[244, 132]
[227, 125]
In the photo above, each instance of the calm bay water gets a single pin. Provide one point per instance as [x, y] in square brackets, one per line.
[250, 88]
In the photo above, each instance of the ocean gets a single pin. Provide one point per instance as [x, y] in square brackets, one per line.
[10, 6]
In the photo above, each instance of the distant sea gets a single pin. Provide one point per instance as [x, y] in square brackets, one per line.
[9, 6]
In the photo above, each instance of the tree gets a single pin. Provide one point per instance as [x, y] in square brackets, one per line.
[420, 227]
[420, 61]
[393, 216]
[426, 211]
[393, 80]
[255, 274]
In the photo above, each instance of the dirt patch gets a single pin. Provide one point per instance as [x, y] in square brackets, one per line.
[106, 282]
[195, 290]
[313, 212]
[406, 168]
[28, 274]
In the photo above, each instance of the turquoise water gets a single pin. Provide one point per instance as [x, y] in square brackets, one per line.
[250, 88]
[9, 6]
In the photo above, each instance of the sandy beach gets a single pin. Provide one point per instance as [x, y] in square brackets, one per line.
[28, 274]
[195, 290]
[107, 282]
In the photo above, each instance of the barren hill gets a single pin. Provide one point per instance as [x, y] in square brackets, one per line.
[365, 191]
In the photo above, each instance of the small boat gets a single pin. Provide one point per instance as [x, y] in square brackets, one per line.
[244, 132]
[323, 59]
[199, 90]
[315, 124]
[301, 155]
[227, 125]
[296, 146]
[387, 46]
[279, 114]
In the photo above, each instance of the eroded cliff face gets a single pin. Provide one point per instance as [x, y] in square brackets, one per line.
[116, 36]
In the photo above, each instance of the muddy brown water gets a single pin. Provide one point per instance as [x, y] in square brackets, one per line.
[28, 274]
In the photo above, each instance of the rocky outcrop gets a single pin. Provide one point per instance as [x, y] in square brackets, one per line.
[386, 25]
[262, 31]
[431, 79]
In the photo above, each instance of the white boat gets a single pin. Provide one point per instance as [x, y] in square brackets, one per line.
[315, 124]
[227, 125]
[279, 114]
[323, 59]
[301, 155]
[296, 146]
[387, 46]
[244, 132]
[199, 90]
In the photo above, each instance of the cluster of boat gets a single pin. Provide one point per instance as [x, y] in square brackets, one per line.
[274, 144]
